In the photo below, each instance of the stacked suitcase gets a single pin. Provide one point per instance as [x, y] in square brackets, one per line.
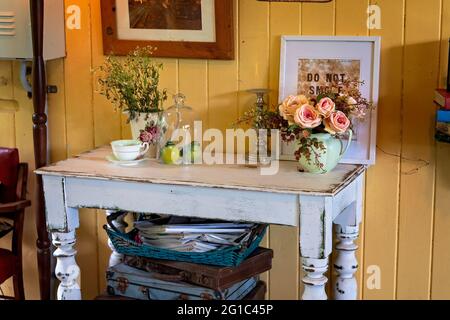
[150, 279]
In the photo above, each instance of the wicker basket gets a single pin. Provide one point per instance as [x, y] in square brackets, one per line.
[228, 257]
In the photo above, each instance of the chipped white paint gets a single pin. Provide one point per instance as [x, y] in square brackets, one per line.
[237, 177]
[314, 279]
[67, 270]
[346, 265]
[347, 232]
[120, 224]
[233, 193]
[211, 203]
[57, 217]
[315, 243]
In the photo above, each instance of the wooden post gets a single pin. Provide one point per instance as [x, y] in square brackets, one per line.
[40, 142]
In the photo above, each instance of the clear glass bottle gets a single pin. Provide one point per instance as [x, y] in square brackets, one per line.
[180, 120]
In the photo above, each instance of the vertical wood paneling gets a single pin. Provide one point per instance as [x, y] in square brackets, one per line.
[441, 253]
[78, 81]
[381, 217]
[290, 14]
[351, 17]
[311, 17]
[253, 54]
[81, 132]
[6, 85]
[284, 276]
[193, 82]
[169, 78]
[223, 97]
[103, 113]
[7, 131]
[422, 38]
[223, 85]
[7, 117]
[57, 111]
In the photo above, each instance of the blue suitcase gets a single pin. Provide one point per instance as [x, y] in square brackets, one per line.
[129, 282]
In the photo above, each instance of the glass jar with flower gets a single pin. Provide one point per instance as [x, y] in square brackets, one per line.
[132, 85]
[317, 126]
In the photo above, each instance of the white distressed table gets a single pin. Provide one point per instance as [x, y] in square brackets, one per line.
[228, 192]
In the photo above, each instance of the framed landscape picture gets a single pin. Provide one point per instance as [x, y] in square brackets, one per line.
[177, 28]
[311, 65]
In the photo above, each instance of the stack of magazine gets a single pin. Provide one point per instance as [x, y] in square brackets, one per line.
[194, 237]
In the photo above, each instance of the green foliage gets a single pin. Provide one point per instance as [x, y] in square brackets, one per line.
[330, 95]
[131, 83]
[311, 149]
[260, 118]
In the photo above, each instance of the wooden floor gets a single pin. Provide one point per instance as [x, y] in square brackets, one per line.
[405, 235]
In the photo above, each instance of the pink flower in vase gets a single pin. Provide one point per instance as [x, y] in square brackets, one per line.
[290, 106]
[337, 123]
[325, 107]
[150, 134]
[307, 117]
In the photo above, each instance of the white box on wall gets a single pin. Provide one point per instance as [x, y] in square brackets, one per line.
[15, 30]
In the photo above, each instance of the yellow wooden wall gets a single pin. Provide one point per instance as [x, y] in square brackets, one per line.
[407, 215]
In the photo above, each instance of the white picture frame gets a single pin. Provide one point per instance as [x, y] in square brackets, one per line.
[365, 49]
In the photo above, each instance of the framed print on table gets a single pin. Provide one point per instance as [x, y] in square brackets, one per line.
[311, 64]
[177, 28]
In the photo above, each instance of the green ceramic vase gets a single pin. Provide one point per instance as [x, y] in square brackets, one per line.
[327, 157]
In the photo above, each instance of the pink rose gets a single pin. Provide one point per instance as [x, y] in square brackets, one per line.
[325, 107]
[290, 105]
[337, 123]
[146, 137]
[307, 117]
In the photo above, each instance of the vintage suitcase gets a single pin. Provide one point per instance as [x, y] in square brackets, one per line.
[216, 278]
[129, 282]
[257, 294]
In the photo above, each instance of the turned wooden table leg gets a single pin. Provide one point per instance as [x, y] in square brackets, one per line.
[314, 279]
[67, 270]
[121, 225]
[346, 265]
[315, 244]
[345, 286]
[62, 221]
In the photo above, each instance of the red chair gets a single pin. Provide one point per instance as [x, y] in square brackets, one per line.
[13, 189]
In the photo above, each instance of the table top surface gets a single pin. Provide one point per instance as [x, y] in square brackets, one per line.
[93, 165]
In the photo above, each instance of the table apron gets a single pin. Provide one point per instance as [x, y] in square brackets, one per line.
[189, 201]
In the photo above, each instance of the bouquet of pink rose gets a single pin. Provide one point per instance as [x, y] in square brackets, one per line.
[332, 113]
